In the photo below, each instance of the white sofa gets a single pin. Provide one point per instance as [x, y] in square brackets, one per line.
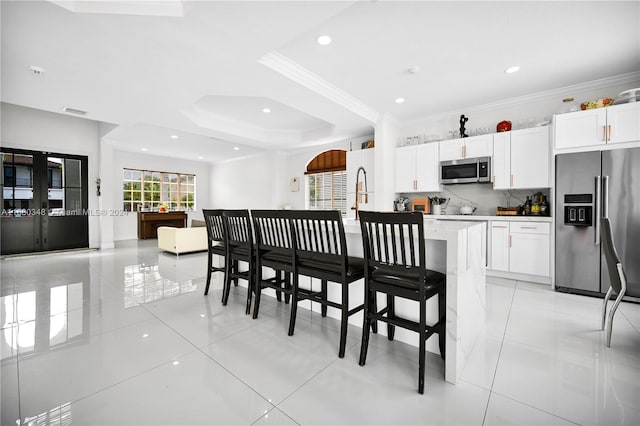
[182, 240]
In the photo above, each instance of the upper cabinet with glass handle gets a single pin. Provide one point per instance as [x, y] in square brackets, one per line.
[596, 127]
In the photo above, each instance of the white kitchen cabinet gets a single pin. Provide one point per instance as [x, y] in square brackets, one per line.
[501, 163]
[476, 146]
[521, 159]
[417, 168]
[623, 123]
[596, 127]
[520, 247]
[499, 252]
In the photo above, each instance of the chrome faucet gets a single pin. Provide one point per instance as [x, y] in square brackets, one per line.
[358, 190]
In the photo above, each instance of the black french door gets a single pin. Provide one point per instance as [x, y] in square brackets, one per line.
[44, 201]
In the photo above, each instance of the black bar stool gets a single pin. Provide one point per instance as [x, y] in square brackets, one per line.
[217, 243]
[240, 247]
[321, 252]
[395, 264]
[274, 250]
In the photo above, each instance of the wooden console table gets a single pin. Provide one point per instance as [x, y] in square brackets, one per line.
[148, 222]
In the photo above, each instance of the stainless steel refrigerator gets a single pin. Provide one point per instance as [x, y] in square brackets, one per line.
[590, 185]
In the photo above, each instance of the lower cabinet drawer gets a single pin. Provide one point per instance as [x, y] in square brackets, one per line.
[531, 227]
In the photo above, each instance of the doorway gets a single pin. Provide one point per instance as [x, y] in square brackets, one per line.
[44, 201]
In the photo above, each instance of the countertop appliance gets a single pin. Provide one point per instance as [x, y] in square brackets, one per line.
[421, 205]
[467, 170]
[590, 185]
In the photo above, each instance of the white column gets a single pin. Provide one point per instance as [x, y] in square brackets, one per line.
[109, 181]
[387, 131]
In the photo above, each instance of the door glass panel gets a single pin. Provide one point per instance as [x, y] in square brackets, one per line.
[73, 201]
[55, 186]
[17, 185]
[72, 173]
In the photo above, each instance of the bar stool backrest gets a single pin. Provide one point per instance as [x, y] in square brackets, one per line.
[238, 228]
[273, 231]
[394, 242]
[319, 235]
[215, 226]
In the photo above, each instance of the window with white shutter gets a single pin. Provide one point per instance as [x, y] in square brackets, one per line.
[326, 181]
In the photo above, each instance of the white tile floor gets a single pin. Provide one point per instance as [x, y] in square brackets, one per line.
[126, 337]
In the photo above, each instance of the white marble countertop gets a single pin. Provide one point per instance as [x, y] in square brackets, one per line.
[434, 229]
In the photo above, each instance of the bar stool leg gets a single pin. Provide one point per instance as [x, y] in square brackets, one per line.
[258, 290]
[344, 320]
[324, 298]
[366, 328]
[294, 306]
[374, 306]
[422, 346]
[391, 313]
[287, 285]
[442, 314]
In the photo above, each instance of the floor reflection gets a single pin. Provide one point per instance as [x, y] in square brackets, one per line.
[42, 318]
[145, 283]
[58, 416]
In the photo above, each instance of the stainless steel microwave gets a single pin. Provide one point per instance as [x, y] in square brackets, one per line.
[467, 170]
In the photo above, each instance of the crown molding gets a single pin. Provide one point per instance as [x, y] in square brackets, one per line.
[295, 72]
[594, 84]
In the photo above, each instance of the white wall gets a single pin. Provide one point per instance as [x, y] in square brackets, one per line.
[126, 227]
[262, 182]
[36, 130]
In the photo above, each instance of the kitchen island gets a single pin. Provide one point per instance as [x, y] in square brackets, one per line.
[455, 248]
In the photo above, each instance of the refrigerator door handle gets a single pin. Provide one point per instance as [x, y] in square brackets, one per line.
[597, 209]
[605, 196]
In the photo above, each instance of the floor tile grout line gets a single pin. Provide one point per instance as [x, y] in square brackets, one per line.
[305, 383]
[275, 408]
[536, 408]
[202, 351]
[155, 367]
[513, 296]
[629, 320]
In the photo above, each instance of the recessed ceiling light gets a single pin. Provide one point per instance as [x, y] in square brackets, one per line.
[399, 100]
[174, 136]
[513, 69]
[200, 158]
[176, 362]
[144, 149]
[266, 110]
[236, 148]
[324, 40]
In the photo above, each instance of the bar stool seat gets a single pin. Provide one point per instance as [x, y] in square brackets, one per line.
[355, 266]
[407, 279]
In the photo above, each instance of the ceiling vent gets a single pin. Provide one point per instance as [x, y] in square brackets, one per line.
[74, 111]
